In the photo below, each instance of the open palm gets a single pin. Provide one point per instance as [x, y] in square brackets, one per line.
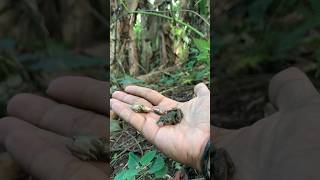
[38, 129]
[183, 142]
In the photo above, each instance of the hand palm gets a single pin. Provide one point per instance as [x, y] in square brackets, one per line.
[39, 129]
[182, 142]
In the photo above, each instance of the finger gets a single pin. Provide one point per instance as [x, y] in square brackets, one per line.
[201, 90]
[150, 95]
[130, 99]
[147, 126]
[33, 149]
[60, 118]
[81, 92]
[290, 89]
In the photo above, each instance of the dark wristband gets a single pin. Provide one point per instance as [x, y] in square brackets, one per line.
[219, 161]
[205, 161]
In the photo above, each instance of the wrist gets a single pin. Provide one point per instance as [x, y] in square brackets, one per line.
[199, 166]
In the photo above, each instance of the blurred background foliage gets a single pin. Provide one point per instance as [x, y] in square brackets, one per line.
[40, 40]
[254, 39]
[159, 41]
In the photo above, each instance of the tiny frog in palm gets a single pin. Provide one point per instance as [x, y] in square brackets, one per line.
[171, 117]
[87, 148]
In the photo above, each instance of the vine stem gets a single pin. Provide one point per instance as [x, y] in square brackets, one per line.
[170, 18]
[163, 16]
[182, 10]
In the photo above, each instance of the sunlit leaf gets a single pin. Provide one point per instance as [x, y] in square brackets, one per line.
[147, 158]
[133, 161]
[126, 80]
[202, 44]
[114, 126]
[162, 172]
[126, 174]
[157, 165]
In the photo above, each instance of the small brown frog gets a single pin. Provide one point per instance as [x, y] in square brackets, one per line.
[88, 147]
[171, 117]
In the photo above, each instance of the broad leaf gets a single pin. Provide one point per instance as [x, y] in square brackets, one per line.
[147, 157]
[133, 161]
[126, 174]
[162, 172]
[129, 80]
[121, 175]
[157, 165]
[114, 126]
[131, 173]
[202, 44]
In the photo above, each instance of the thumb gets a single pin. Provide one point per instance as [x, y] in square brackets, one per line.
[291, 88]
[201, 90]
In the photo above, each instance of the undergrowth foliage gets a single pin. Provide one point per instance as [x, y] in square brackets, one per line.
[150, 164]
[267, 34]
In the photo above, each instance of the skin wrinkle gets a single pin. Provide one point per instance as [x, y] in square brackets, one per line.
[152, 96]
[140, 129]
[64, 140]
[30, 162]
[149, 94]
[125, 113]
[85, 87]
[41, 121]
[83, 93]
[152, 138]
[82, 117]
[315, 100]
[70, 166]
[32, 165]
[130, 99]
[39, 132]
[21, 99]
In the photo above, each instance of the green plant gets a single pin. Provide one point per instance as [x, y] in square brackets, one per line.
[150, 164]
[203, 46]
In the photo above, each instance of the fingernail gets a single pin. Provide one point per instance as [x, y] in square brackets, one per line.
[114, 93]
[111, 102]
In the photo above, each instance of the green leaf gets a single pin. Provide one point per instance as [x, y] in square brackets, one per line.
[126, 174]
[202, 44]
[147, 157]
[129, 80]
[131, 173]
[121, 175]
[257, 10]
[315, 5]
[157, 165]
[114, 126]
[162, 172]
[203, 7]
[7, 43]
[133, 161]
[290, 40]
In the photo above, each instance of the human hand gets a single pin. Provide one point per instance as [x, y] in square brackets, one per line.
[284, 145]
[38, 129]
[183, 142]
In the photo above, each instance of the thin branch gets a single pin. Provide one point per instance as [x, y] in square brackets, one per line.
[183, 10]
[166, 17]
